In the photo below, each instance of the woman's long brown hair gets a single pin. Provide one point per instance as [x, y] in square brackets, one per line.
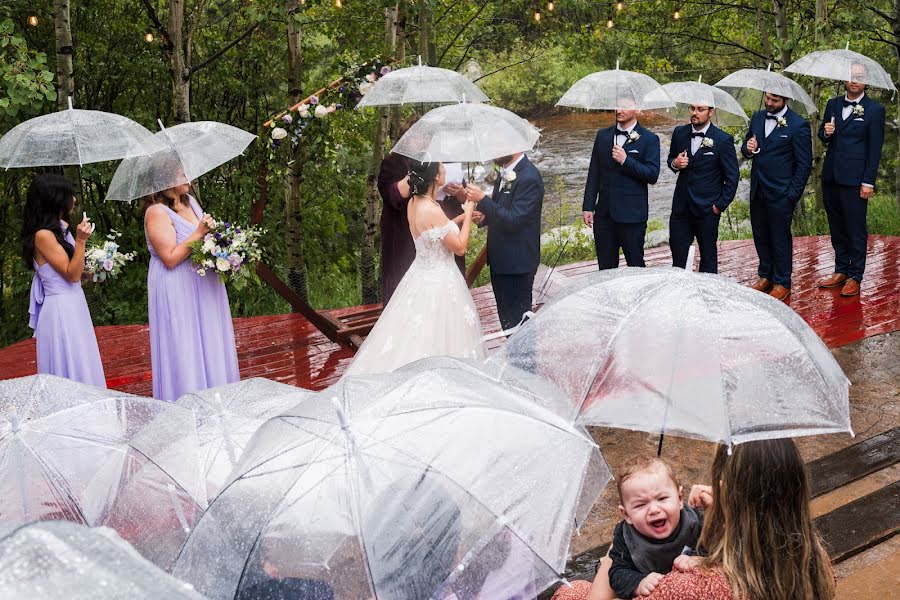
[160, 198]
[759, 531]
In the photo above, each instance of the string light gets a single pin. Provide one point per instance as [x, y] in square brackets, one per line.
[537, 16]
[338, 3]
[609, 23]
[619, 6]
[148, 37]
[550, 6]
[677, 14]
[32, 20]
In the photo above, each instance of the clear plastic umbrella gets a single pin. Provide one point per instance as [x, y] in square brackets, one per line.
[669, 351]
[74, 137]
[466, 133]
[51, 560]
[609, 90]
[70, 451]
[187, 151]
[687, 93]
[748, 86]
[843, 65]
[422, 85]
[228, 416]
[399, 486]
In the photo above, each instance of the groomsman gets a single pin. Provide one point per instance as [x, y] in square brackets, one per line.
[853, 130]
[706, 162]
[625, 159]
[780, 144]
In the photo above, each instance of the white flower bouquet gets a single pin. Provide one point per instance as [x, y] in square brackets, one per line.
[229, 251]
[106, 261]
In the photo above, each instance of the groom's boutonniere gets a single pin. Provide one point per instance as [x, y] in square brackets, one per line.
[507, 177]
[781, 122]
[706, 142]
[633, 136]
[859, 110]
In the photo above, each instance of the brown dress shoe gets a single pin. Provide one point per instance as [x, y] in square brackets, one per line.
[762, 285]
[779, 292]
[832, 281]
[851, 288]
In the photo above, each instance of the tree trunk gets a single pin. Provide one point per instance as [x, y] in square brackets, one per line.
[293, 179]
[398, 45]
[781, 30]
[178, 62]
[426, 44]
[65, 74]
[895, 25]
[762, 24]
[815, 121]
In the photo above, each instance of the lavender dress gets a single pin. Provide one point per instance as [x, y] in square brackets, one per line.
[191, 334]
[66, 344]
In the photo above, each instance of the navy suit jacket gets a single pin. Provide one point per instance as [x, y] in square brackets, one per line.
[784, 161]
[854, 149]
[513, 218]
[619, 192]
[711, 176]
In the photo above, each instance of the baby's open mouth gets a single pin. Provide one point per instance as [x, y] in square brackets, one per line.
[658, 524]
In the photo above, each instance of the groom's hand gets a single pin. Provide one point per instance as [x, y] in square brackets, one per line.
[588, 217]
[456, 190]
[474, 194]
[477, 217]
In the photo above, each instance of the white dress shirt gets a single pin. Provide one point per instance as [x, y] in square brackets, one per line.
[695, 140]
[771, 124]
[849, 109]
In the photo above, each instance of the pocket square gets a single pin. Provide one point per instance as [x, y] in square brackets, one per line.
[784, 136]
[859, 119]
[709, 154]
[632, 152]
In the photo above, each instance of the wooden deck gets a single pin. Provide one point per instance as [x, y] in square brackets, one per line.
[289, 349]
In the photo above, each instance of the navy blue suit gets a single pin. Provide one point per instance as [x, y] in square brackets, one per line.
[854, 151]
[513, 217]
[711, 178]
[777, 180]
[617, 195]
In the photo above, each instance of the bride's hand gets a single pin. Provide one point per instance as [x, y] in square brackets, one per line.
[469, 207]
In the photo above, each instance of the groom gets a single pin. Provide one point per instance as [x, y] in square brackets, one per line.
[512, 215]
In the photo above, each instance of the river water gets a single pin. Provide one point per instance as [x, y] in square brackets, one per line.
[563, 154]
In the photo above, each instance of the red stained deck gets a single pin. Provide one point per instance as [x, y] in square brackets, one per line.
[289, 349]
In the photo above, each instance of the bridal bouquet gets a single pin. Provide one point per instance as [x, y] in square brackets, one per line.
[106, 261]
[229, 251]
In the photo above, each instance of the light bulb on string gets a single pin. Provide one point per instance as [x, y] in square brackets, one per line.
[609, 23]
[677, 14]
[550, 6]
[620, 5]
[537, 16]
[148, 37]
[338, 4]
[33, 20]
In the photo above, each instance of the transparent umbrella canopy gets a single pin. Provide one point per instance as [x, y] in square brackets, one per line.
[404, 485]
[55, 559]
[74, 137]
[186, 152]
[421, 85]
[687, 93]
[843, 65]
[609, 90]
[749, 85]
[228, 416]
[668, 351]
[73, 452]
[467, 133]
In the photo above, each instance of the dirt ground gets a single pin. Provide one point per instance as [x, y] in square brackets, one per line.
[873, 367]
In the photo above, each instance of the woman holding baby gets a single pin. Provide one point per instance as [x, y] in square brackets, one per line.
[758, 540]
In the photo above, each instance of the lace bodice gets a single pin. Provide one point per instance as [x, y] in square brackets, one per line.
[430, 250]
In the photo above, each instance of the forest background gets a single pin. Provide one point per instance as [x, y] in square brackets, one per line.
[243, 62]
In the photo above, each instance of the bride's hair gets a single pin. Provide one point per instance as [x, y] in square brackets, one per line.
[422, 175]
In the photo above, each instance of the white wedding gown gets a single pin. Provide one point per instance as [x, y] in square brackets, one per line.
[430, 314]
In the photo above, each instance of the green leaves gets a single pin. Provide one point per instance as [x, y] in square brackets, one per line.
[25, 81]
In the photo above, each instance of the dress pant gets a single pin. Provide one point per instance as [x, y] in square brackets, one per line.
[609, 236]
[683, 228]
[770, 221]
[847, 221]
[513, 296]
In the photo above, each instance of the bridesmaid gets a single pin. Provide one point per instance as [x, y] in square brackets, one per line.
[191, 334]
[63, 330]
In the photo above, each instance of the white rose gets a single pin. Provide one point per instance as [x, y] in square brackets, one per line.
[303, 110]
[510, 176]
[278, 133]
[371, 77]
[365, 88]
[223, 265]
[208, 245]
[321, 111]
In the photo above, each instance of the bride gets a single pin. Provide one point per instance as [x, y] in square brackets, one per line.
[431, 313]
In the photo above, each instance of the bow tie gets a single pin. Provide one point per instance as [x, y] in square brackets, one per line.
[849, 103]
[621, 132]
[699, 134]
[773, 117]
